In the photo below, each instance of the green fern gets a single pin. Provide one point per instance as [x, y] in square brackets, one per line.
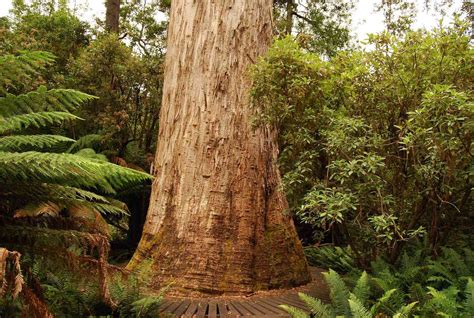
[16, 70]
[469, 302]
[339, 293]
[18, 123]
[36, 179]
[357, 308]
[316, 306]
[405, 311]
[33, 142]
[362, 288]
[295, 312]
[69, 169]
[64, 100]
[335, 257]
[443, 302]
[88, 141]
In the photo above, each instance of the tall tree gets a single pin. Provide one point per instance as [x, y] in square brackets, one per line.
[321, 26]
[112, 15]
[216, 222]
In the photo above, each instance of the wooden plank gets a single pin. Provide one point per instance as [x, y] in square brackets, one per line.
[251, 308]
[281, 312]
[202, 309]
[173, 307]
[298, 299]
[165, 304]
[276, 302]
[243, 311]
[191, 309]
[293, 303]
[269, 309]
[212, 313]
[222, 309]
[182, 308]
[233, 312]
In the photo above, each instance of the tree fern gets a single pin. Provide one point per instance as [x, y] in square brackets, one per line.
[18, 123]
[33, 142]
[64, 100]
[16, 70]
[88, 141]
[35, 182]
[67, 169]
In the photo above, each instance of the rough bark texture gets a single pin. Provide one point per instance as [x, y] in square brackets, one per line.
[216, 222]
[112, 15]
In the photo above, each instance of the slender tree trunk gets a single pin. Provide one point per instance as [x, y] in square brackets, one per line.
[290, 7]
[216, 222]
[112, 15]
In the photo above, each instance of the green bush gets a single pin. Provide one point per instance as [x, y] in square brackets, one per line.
[376, 145]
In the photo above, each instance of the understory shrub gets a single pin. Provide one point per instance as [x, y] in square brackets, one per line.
[376, 145]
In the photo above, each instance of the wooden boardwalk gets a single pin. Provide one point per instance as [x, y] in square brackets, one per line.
[258, 305]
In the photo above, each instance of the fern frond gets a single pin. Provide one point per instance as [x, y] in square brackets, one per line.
[34, 191]
[17, 69]
[383, 302]
[295, 312]
[88, 141]
[404, 311]
[146, 306]
[444, 301]
[91, 154]
[18, 143]
[64, 196]
[469, 302]
[318, 309]
[18, 123]
[362, 288]
[339, 293]
[357, 308]
[44, 208]
[67, 169]
[42, 100]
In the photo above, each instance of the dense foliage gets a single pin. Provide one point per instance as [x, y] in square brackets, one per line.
[70, 193]
[376, 156]
[376, 146]
[427, 287]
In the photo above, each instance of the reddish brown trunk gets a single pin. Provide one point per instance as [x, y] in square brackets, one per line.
[216, 222]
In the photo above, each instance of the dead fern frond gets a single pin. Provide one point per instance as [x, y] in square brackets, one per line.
[3, 270]
[34, 306]
[11, 260]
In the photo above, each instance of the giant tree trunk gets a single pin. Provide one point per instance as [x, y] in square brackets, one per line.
[216, 222]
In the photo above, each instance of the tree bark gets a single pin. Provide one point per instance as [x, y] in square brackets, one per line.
[290, 8]
[216, 222]
[112, 16]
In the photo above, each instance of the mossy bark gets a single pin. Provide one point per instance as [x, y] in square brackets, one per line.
[216, 222]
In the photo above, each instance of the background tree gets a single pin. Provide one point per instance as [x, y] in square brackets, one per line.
[216, 221]
[321, 26]
[112, 15]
